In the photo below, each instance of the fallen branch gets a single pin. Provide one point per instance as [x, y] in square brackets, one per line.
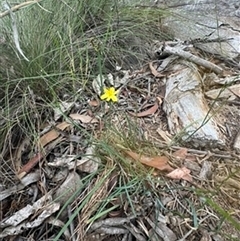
[193, 58]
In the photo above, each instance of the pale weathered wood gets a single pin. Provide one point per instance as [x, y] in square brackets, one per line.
[206, 20]
[187, 111]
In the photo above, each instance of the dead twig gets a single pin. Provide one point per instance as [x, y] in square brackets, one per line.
[113, 230]
[110, 222]
[18, 7]
[135, 232]
[193, 229]
[155, 227]
[231, 155]
[193, 58]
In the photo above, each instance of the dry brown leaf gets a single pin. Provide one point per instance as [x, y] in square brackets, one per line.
[154, 71]
[191, 157]
[159, 162]
[53, 134]
[181, 173]
[28, 166]
[93, 103]
[86, 119]
[180, 154]
[150, 111]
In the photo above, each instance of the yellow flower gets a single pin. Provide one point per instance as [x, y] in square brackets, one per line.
[110, 94]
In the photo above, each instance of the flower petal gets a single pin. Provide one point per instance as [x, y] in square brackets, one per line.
[111, 90]
[114, 98]
[104, 96]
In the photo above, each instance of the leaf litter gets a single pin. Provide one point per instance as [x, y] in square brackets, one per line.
[135, 212]
[147, 112]
[158, 162]
[171, 167]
